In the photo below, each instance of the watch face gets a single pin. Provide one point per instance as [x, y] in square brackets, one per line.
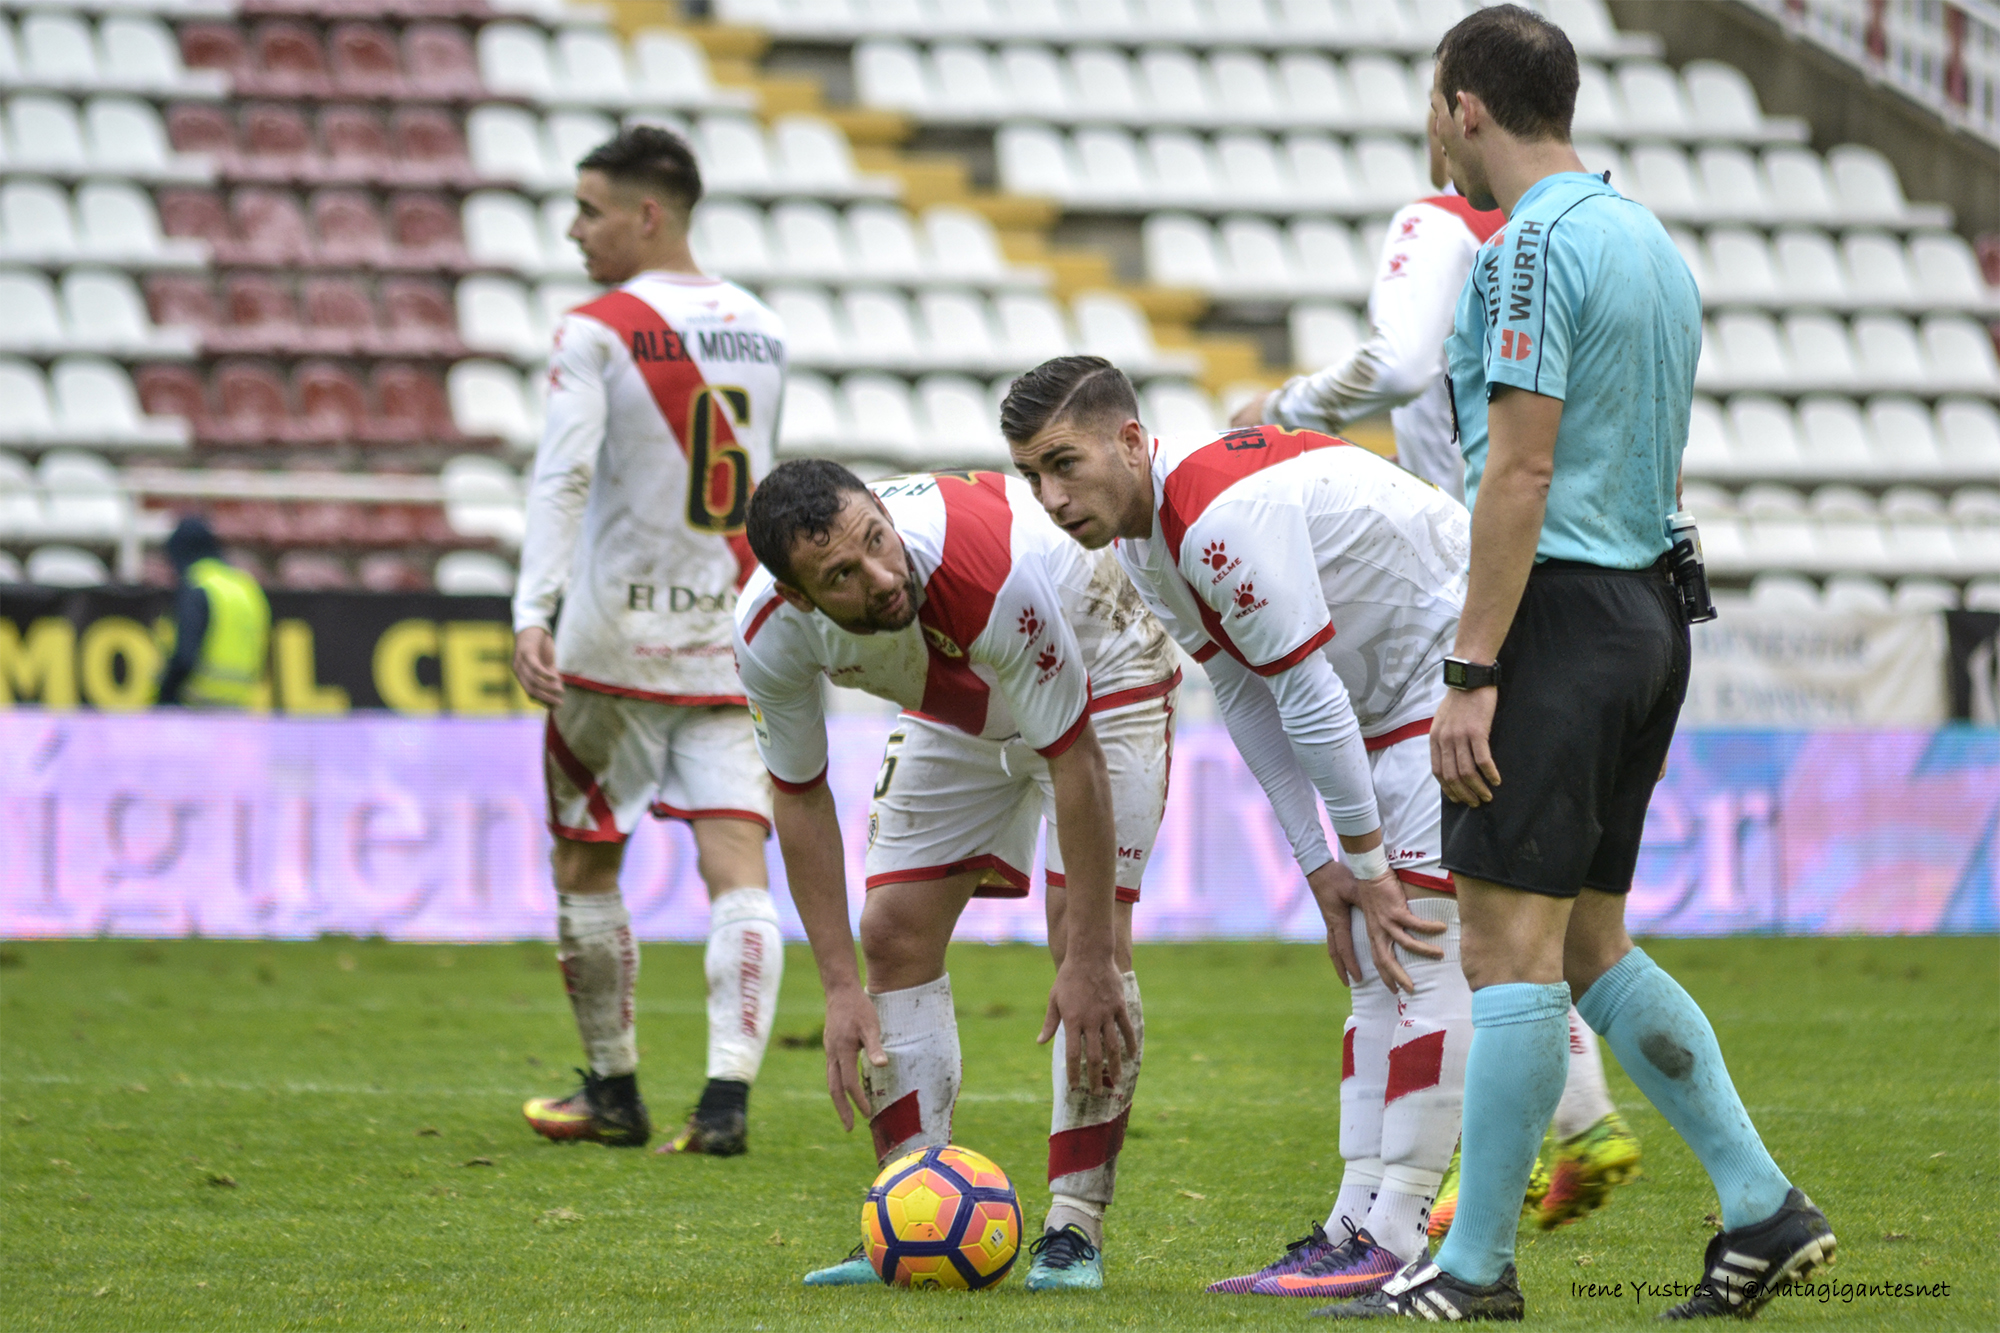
[1454, 673]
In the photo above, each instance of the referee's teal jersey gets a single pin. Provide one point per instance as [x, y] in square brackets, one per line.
[1583, 297]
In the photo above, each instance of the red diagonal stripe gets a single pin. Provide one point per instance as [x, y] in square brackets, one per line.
[1415, 1065]
[1347, 1054]
[1083, 1149]
[896, 1123]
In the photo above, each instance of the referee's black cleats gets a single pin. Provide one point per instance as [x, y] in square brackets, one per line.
[1425, 1291]
[1746, 1267]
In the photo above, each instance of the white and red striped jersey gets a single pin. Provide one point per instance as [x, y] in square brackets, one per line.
[663, 407]
[1426, 257]
[1020, 632]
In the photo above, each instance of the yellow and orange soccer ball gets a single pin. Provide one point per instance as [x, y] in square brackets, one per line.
[944, 1217]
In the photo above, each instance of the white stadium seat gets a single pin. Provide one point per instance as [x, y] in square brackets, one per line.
[734, 156]
[1032, 328]
[1809, 268]
[589, 67]
[1720, 99]
[883, 332]
[962, 245]
[514, 61]
[1904, 435]
[505, 143]
[1322, 335]
[1853, 594]
[1960, 354]
[671, 70]
[958, 329]
[1835, 438]
[501, 229]
[56, 50]
[958, 422]
[473, 574]
[32, 323]
[810, 240]
[66, 567]
[1876, 272]
[1764, 435]
[1968, 432]
[82, 499]
[883, 422]
[811, 423]
[95, 403]
[571, 135]
[493, 316]
[486, 399]
[884, 243]
[26, 416]
[729, 238]
[44, 133]
[813, 335]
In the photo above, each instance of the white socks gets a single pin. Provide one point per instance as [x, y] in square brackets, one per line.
[914, 1093]
[1402, 1087]
[745, 961]
[1087, 1130]
[1585, 1100]
[600, 965]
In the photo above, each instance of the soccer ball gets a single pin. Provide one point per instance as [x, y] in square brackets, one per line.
[943, 1217]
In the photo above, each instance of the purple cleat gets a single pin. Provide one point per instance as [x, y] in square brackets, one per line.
[1301, 1252]
[1352, 1268]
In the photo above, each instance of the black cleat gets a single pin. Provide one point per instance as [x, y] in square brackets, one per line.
[603, 1110]
[1425, 1291]
[1744, 1268]
[720, 1124]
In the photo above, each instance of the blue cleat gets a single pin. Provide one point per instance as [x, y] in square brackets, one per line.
[1065, 1261]
[853, 1271]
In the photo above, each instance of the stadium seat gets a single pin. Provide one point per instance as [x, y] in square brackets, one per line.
[1178, 412]
[103, 310]
[1322, 335]
[1904, 434]
[474, 574]
[56, 50]
[1652, 98]
[20, 501]
[1720, 99]
[1109, 325]
[1945, 271]
[1764, 435]
[331, 405]
[891, 74]
[1798, 186]
[1388, 172]
[961, 245]
[1176, 86]
[1849, 535]
[425, 229]
[1709, 452]
[44, 133]
[357, 144]
[958, 329]
[812, 331]
[1180, 252]
[1834, 437]
[1920, 532]
[883, 333]
[1314, 89]
[1876, 272]
[1809, 268]
[501, 229]
[589, 67]
[670, 70]
[514, 61]
[1747, 350]
[811, 423]
[884, 243]
[1777, 532]
[553, 300]
[32, 323]
[385, 571]
[339, 315]
[1865, 185]
[1033, 160]
[1819, 351]
[418, 317]
[350, 229]
[486, 400]
[250, 404]
[814, 154]
[175, 392]
[26, 417]
[289, 61]
[505, 144]
[1105, 88]
[734, 156]
[1887, 351]
[262, 312]
[810, 241]
[312, 571]
[81, 496]
[1382, 92]
[1258, 259]
[1036, 81]
[1968, 432]
[1731, 184]
[728, 238]
[1921, 596]
[270, 227]
[96, 403]
[1244, 89]
[571, 135]
[364, 61]
[66, 567]
[482, 500]
[277, 144]
[439, 60]
[884, 424]
[1857, 594]
[1662, 180]
[118, 224]
[958, 423]
[1739, 266]
[140, 54]
[428, 147]
[10, 569]
[1178, 166]
[410, 403]
[126, 138]
[1960, 355]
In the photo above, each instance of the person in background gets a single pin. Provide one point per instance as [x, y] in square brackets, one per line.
[222, 626]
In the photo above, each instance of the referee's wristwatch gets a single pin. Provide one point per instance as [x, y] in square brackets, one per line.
[1460, 674]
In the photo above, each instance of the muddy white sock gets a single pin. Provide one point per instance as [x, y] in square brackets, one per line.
[914, 1093]
[600, 966]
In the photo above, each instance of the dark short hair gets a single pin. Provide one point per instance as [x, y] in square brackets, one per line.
[1518, 63]
[798, 500]
[651, 157]
[1068, 388]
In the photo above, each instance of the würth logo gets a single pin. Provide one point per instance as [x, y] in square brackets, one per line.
[1515, 345]
[1031, 624]
[1246, 596]
[1215, 555]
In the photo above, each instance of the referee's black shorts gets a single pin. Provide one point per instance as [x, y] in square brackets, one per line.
[1591, 682]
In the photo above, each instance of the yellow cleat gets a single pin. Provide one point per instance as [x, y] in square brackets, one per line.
[1445, 1206]
[1588, 1167]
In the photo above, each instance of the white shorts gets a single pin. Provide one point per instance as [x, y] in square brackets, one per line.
[946, 802]
[1412, 807]
[608, 760]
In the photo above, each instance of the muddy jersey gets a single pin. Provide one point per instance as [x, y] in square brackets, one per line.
[663, 403]
[1020, 632]
[1270, 544]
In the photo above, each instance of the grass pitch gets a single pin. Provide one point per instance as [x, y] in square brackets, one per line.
[327, 1135]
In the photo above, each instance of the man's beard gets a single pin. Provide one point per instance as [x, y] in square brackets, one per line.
[902, 619]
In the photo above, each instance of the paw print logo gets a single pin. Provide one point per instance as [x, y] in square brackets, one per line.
[1215, 555]
[1047, 661]
[1246, 596]
[1409, 229]
[1031, 624]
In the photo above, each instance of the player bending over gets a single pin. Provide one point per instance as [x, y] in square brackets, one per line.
[1427, 254]
[1252, 550]
[1032, 680]
[662, 404]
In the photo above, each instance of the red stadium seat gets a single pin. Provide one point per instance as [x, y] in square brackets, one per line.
[327, 523]
[214, 46]
[332, 406]
[196, 214]
[250, 399]
[172, 391]
[312, 571]
[426, 229]
[410, 404]
[364, 60]
[289, 60]
[182, 298]
[357, 145]
[262, 314]
[387, 572]
[250, 522]
[429, 147]
[194, 127]
[420, 316]
[350, 229]
[277, 143]
[340, 317]
[439, 61]
[272, 225]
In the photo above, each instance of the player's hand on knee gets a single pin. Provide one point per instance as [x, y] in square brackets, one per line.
[1461, 757]
[1089, 1004]
[535, 666]
[1390, 922]
[853, 1032]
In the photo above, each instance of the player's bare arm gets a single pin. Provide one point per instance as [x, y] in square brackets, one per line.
[1088, 998]
[1506, 526]
[816, 867]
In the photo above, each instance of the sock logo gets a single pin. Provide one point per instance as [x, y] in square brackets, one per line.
[752, 974]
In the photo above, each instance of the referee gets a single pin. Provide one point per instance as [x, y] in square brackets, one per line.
[1572, 361]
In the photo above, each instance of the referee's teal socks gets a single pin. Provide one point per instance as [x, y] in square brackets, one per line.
[1514, 1077]
[1667, 1047]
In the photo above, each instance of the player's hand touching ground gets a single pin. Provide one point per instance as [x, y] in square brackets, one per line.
[852, 1032]
[1460, 756]
[1088, 1002]
[535, 665]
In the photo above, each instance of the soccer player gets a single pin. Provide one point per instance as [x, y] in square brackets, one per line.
[1032, 681]
[1427, 254]
[1572, 360]
[663, 402]
[1254, 550]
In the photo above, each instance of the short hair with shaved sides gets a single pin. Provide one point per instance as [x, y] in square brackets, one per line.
[1085, 389]
[652, 158]
[798, 500]
[1518, 63]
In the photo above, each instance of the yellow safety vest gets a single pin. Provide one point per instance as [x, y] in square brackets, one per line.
[229, 673]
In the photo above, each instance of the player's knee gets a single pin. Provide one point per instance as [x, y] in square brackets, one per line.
[586, 867]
